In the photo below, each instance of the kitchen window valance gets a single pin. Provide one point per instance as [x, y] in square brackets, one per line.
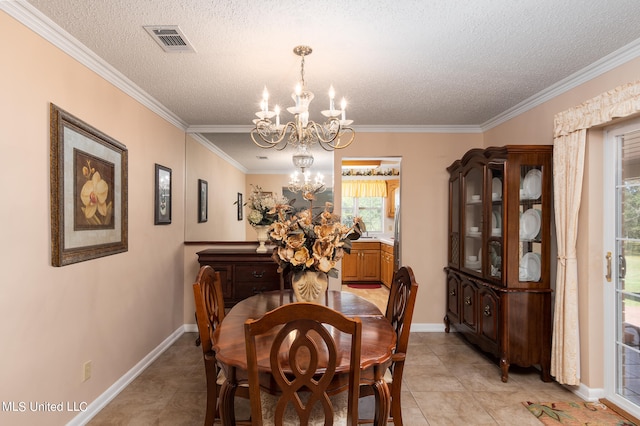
[364, 188]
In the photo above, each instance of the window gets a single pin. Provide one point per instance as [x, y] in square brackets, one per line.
[370, 209]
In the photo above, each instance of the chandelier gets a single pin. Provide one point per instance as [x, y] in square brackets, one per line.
[302, 133]
[301, 181]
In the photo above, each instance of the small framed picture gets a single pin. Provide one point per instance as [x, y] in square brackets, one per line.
[162, 207]
[203, 195]
[239, 203]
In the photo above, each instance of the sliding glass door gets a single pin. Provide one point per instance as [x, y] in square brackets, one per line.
[622, 286]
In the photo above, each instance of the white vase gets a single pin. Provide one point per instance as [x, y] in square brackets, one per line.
[309, 286]
[263, 237]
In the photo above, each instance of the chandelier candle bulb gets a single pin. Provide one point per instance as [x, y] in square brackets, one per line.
[277, 110]
[265, 97]
[332, 94]
[298, 93]
[343, 106]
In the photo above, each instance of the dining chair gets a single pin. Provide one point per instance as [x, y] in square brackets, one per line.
[303, 357]
[207, 294]
[402, 298]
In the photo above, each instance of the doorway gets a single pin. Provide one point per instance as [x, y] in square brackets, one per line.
[371, 188]
[622, 286]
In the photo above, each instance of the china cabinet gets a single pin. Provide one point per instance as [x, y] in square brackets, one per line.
[499, 253]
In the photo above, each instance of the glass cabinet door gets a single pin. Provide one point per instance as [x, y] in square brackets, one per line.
[494, 248]
[454, 225]
[530, 225]
[473, 219]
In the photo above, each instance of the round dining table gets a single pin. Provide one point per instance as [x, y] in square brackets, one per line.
[378, 342]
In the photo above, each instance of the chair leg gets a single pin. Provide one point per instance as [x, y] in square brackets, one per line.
[396, 405]
[198, 339]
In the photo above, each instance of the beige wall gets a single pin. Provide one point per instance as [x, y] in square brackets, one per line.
[424, 204]
[114, 310]
[224, 181]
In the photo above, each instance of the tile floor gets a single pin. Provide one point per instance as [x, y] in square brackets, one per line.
[446, 382]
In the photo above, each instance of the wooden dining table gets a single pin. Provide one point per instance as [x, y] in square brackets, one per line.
[378, 342]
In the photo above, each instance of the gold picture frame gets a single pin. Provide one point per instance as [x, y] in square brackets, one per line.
[88, 191]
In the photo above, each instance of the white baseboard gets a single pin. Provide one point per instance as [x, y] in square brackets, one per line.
[106, 397]
[190, 328]
[428, 327]
[587, 393]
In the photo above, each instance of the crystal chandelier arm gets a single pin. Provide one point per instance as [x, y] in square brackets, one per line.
[329, 135]
[326, 132]
[338, 142]
[269, 136]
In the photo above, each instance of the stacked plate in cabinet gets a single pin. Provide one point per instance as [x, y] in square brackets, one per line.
[532, 185]
[530, 224]
[530, 267]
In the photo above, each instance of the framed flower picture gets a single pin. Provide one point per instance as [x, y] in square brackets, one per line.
[162, 190]
[88, 191]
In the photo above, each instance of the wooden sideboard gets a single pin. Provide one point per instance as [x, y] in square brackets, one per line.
[243, 272]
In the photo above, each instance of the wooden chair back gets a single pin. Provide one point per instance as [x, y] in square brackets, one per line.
[402, 299]
[207, 295]
[303, 356]
[209, 302]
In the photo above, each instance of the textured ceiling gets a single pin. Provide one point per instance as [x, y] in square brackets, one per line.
[409, 63]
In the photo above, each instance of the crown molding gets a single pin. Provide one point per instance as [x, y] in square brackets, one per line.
[418, 129]
[209, 128]
[205, 128]
[211, 147]
[614, 59]
[35, 20]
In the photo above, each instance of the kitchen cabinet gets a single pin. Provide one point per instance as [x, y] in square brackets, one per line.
[363, 263]
[499, 253]
[243, 272]
[386, 264]
[392, 186]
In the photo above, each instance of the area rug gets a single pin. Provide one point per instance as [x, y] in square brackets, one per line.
[576, 413]
[363, 285]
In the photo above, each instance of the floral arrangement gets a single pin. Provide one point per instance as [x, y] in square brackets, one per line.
[262, 206]
[307, 242]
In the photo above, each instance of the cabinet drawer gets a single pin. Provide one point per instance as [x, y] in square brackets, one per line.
[245, 289]
[257, 272]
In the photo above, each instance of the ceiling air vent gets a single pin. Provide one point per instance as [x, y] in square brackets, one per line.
[170, 38]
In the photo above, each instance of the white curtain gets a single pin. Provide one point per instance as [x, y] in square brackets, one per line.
[570, 134]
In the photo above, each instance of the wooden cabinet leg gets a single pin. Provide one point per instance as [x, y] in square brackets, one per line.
[504, 366]
[447, 323]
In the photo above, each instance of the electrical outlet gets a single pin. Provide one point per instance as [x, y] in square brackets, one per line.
[86, 371]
